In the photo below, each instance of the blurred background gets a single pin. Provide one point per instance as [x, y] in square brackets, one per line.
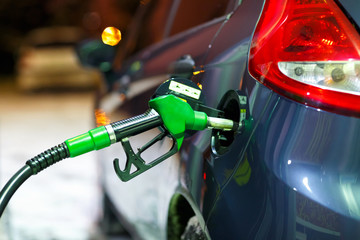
[46, 97]
[18, 19]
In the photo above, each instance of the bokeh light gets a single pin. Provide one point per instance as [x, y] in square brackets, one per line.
[111, 36]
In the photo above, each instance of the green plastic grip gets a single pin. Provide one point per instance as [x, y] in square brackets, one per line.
[94, 139]
[178, 116]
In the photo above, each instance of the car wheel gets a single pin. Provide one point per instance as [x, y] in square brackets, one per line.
[193, 230]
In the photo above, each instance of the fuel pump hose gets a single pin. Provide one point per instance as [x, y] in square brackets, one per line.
[168, 111]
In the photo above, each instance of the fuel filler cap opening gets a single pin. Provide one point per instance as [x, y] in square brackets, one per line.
[234, 105]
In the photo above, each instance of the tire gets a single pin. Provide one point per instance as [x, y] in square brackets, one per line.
[193, 230]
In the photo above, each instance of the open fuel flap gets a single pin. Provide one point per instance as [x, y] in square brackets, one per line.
[234, 105]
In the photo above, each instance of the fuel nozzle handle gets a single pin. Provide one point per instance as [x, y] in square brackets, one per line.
[176, 115]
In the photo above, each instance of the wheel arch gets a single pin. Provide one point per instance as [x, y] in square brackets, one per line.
[181, 209]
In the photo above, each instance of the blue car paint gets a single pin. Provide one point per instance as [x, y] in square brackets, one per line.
[314, 152]
[303, 165]
[291, 143]
[231, 179]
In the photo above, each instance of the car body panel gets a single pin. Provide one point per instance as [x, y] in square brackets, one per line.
[352, 8]
[304, 154]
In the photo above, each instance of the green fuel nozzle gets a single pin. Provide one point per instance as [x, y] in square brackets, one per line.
[170, 113]
[174, 116]
[173, 113]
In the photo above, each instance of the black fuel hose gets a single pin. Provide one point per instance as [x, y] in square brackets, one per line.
[32, 167]
[12, 185]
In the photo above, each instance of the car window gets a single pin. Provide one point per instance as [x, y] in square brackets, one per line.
[147, 28]
[149, 24]
[192, 13]
[153, 23]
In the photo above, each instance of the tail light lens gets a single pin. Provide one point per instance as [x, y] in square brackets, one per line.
[308, 51]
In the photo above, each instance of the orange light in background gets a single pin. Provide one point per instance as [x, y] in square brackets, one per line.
[111, 36]
[101, 118]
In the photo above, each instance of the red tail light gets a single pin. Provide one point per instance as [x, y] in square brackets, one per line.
[308, 51]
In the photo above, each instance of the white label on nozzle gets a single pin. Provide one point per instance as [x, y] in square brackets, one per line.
[186, 90]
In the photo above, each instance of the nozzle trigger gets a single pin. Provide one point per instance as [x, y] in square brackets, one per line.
[135, 159]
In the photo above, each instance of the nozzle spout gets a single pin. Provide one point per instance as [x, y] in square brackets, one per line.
[223, 124]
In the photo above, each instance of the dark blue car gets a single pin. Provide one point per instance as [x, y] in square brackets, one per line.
[290, 70]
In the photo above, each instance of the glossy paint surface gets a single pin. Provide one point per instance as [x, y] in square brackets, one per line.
[291, 175]
[295, 180]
